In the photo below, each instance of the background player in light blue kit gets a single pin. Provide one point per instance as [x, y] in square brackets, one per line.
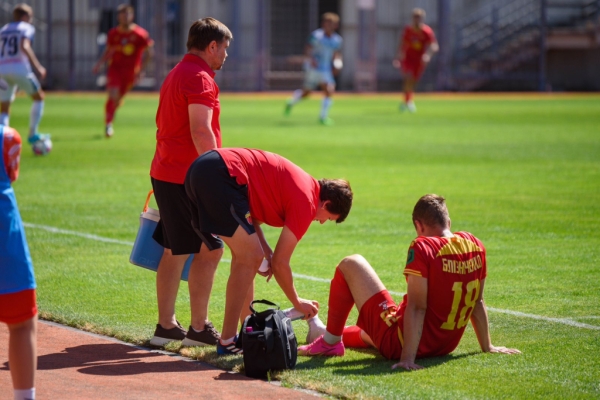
[323, 61]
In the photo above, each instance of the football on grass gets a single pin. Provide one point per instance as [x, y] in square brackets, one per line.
[42, 147]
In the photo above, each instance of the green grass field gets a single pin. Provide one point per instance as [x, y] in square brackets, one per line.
[521, 173]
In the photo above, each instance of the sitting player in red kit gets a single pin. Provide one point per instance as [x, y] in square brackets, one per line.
[445, 274]
[125, 47]
[417, 45]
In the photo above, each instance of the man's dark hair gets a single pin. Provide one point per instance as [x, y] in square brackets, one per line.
[339, 193]
[431, 210]
[204, 31]
[21, 10]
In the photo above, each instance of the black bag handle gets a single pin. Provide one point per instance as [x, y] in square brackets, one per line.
[263, 301]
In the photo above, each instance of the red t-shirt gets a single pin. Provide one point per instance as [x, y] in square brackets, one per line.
[454, 268]
[11, 152]
[126, 48]
[280, 193]
[415, 42]
[190, 82]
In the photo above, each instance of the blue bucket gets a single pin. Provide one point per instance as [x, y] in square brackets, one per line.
[146, 252]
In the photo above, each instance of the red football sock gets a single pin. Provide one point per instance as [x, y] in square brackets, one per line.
[408, 96]
[110, 107]
[340, 304]
[352, 338]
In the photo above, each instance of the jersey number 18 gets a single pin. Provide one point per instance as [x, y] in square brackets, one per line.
[470, 297]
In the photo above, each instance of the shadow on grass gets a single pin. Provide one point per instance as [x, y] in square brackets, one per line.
[375, 365]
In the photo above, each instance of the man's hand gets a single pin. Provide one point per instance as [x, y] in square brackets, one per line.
[426, 58]
[503, 350]
[42, 72]
[407, 365]
[309, 308]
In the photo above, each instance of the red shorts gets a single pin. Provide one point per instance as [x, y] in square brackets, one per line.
[124, 79]
[413, 68]
[17, 307]
[376, 317]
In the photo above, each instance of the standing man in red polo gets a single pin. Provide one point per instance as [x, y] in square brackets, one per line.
[125, 47]
[417, 46]
[188, 125]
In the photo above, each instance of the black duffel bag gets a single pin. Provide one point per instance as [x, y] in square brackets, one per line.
[268, 341]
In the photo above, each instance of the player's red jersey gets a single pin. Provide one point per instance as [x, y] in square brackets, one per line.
[126, 48]
[415, 42]
[454, 268]
[279, 192]
[11, 152]
[190, 82]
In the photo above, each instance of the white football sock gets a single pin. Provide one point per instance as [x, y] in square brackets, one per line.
[25, 394]
[325, 105]
[4, 119]
[296, 97]
[316, 322]
[331, 339]
[37, 110]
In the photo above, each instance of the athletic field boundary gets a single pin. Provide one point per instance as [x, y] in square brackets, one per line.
[564, 321]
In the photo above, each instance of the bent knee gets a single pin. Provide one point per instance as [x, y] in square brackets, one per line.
[352, 262]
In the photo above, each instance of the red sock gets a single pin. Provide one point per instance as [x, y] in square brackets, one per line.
[340, 304]
[352, 338]
[110, 107]
[408, 96]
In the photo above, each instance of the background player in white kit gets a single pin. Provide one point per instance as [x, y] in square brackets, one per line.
[323, 60]
[16, 59]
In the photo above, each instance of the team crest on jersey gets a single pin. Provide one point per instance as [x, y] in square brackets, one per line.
[411, 256]
[383, 305]
[248, 217]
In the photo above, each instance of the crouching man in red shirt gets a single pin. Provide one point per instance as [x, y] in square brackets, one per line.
[233, 191]
[445, 274]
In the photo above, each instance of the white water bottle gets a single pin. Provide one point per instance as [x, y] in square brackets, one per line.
[293, 314]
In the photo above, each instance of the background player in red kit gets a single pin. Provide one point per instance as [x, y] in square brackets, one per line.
[234, 191]
[445, 274]
[125, 47]
[415, 49]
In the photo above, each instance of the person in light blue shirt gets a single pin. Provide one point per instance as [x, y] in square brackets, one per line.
[323, 61]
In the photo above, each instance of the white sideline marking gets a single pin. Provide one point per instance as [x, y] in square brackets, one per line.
[565, 321]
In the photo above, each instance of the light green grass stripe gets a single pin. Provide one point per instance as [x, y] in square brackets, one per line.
[565, 321]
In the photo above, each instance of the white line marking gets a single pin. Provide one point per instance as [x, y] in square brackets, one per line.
[565, 321]
[79, 234]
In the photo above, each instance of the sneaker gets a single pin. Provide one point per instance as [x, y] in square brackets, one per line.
[163, 336]
[229, 349]
[321, 348]
[207, 337]
[316, 328]
[326, 121]
[109, 131]
[38, 136]
[288, 109]
[410, 106]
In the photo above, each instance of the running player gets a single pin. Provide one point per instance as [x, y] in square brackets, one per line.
[417, 46]
[234, 191]
[323, 61]
[18, 307]
[16, 61]
[450, 267]
[126, 46]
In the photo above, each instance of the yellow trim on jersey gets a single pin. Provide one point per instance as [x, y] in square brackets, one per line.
[400, 337]
[458, 245]
[412, 272]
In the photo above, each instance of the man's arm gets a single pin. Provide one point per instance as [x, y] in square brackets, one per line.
[26, 48]
[146, 57]
[432, 48]
[401, 51]
[414, 315]
[479, 319]
[265, 247]
[200, 127]
[280, 264]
